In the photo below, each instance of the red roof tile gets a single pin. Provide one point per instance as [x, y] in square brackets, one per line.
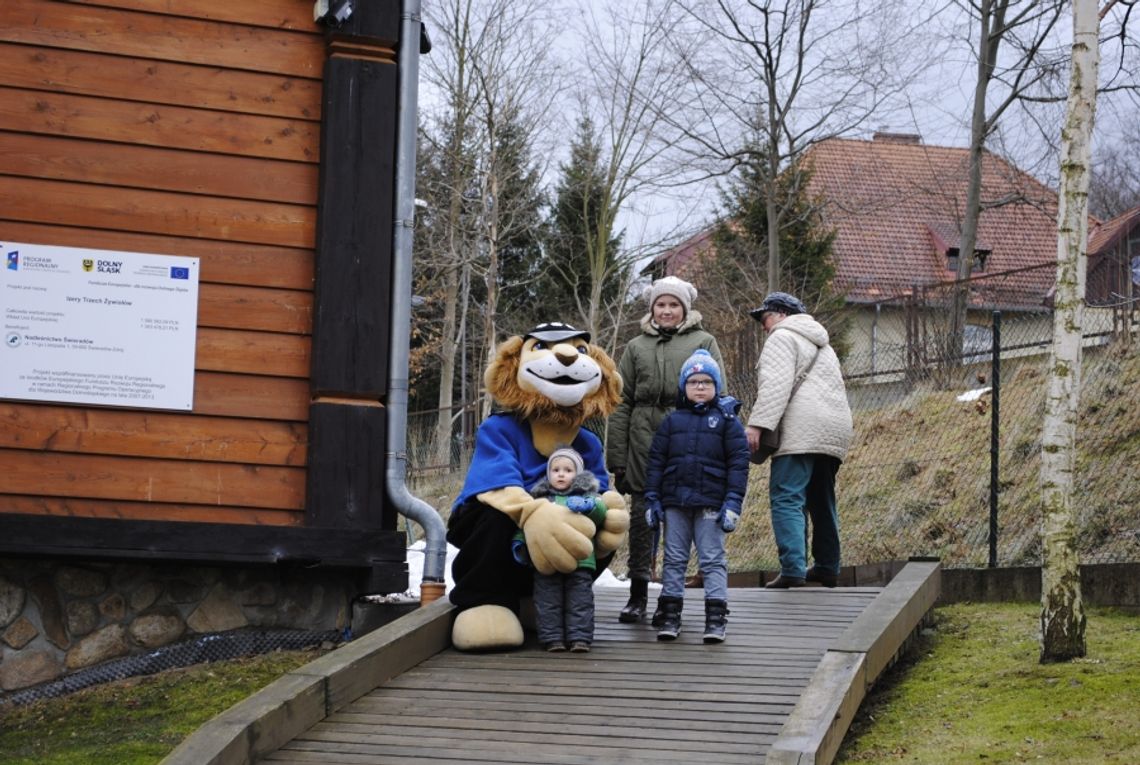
[1105, 236]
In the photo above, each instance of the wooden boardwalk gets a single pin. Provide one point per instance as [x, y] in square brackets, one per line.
[630, 700]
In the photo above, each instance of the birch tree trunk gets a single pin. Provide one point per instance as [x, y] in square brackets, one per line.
[1062, 612]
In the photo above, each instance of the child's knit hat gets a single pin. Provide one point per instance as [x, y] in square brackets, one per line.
[568, 453]
[701, 362]
[671, 285]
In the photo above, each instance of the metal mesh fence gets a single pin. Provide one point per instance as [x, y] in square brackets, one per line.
[918, 478]
[206, 648]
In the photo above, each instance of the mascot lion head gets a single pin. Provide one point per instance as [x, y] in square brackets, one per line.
[554, 374]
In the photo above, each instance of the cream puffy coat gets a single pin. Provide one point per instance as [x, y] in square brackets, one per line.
[818, 419]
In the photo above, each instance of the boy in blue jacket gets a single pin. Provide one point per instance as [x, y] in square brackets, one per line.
[695, 481]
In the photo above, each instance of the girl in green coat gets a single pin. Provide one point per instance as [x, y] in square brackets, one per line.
[649, 367]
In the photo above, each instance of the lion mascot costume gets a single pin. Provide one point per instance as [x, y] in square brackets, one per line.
[547, 383]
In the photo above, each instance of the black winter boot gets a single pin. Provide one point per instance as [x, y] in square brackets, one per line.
[716, 620]
[658, 615]
[671, 618]
[638, 604]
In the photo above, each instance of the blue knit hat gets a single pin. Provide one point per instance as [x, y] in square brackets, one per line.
[701, 362]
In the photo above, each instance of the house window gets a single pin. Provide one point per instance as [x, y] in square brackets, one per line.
[979, 263]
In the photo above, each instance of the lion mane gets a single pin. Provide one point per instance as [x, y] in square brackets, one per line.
[501, 379]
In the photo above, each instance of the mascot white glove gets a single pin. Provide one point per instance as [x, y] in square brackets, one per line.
[614, 528]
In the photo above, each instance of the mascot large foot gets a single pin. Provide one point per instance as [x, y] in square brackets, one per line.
[484, 628]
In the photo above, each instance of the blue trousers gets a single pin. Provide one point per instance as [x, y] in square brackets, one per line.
[683, 530]
[802, 486]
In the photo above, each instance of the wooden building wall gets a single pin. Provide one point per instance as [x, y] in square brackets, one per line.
[187, 128]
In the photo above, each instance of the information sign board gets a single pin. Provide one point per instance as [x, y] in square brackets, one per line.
[99, 327]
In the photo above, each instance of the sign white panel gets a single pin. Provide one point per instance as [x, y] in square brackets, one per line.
[98, 327]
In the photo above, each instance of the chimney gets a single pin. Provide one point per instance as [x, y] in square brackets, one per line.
[888, 137]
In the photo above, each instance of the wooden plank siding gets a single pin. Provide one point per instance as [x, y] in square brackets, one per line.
[191, 129]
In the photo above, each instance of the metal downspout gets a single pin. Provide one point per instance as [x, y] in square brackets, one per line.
[411, 507]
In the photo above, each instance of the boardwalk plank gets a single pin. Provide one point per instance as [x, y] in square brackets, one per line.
[538, 721]
[680, 738]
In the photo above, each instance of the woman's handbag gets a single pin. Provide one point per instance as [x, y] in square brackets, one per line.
[770, 439]
[769, 444]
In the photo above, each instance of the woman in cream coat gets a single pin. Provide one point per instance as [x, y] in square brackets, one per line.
[815, 433]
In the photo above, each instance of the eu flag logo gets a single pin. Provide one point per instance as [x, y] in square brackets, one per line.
[179, 273]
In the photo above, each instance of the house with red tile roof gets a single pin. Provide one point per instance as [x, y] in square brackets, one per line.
[1114, 270]
[896, 206]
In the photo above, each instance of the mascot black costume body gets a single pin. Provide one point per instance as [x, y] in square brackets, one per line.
[548, 382]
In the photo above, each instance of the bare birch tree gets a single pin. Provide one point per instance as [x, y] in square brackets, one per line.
[1062, 611]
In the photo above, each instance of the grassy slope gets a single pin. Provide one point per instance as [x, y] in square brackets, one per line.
[974, 692]
[917, 479]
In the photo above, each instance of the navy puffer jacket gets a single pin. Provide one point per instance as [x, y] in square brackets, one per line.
[699, 457]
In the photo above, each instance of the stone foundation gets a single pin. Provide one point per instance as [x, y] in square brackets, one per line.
[57, 617]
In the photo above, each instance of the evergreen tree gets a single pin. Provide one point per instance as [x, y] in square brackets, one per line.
[573, 234]
[736, 274]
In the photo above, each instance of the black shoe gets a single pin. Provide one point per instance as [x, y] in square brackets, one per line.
[579, 646]
[826, 578]
[671, 618]
[784, 582]
[638, 604]
[556, 646]
[716, 620]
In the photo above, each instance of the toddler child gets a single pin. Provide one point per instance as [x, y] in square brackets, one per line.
[564, 603]
[695, 481]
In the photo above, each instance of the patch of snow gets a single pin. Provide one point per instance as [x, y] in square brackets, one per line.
[975, 394]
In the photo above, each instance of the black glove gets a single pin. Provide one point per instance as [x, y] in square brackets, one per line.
[619, 481]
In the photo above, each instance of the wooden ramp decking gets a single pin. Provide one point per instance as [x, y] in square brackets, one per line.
[782, 689]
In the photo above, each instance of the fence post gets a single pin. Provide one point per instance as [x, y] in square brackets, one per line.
[995, 387]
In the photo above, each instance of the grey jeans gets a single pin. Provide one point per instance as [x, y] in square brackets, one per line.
[564, 606]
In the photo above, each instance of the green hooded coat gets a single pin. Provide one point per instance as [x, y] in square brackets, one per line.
[650, 367]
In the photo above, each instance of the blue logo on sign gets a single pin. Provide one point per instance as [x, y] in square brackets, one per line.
[14, 261]
[179, 273]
